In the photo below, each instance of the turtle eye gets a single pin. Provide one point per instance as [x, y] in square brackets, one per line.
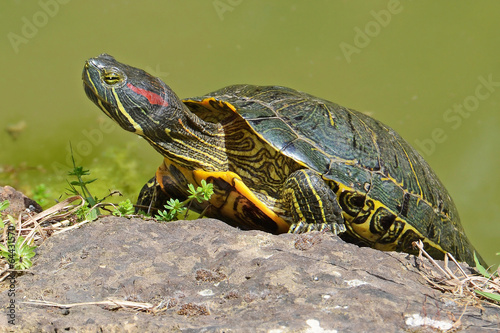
[112, 77]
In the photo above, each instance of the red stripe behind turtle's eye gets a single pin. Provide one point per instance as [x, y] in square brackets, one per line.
[152, 97]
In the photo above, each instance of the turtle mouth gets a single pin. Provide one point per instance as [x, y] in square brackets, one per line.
[87, 78]
[98, 100]
[92, 94]
[90, 74]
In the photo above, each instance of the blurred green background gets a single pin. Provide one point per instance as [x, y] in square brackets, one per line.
[428, 69]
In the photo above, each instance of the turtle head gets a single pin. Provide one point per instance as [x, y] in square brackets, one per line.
[145, 105]
[136, 100]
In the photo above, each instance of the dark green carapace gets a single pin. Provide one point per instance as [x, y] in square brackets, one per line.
[281, 159]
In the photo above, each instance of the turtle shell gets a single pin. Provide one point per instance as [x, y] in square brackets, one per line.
[376, 174]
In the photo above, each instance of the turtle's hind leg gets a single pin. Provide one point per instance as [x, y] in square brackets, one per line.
[312, 202]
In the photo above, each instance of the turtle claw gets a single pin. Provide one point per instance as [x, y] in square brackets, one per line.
[303, 227]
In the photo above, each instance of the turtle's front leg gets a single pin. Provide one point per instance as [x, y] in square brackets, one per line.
[169, 183]
[312, 203]
[152, 198]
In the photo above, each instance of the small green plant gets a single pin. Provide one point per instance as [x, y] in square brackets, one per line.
[174, 208]
[21, 252]
[79, 173]
[124, 208]
[491, 277]
[18, 254]
[3, 206]
[483, 271]
[91, 210]
[84, 213]
[11, 219]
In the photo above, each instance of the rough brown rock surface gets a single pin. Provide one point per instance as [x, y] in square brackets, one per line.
[211, 277]
[19, 203]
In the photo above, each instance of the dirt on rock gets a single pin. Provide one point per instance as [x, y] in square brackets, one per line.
[205, 275]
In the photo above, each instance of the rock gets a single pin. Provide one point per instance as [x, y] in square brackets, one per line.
[19, 203]
[208, 276]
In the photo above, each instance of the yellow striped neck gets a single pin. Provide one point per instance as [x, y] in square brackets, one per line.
[191, 142]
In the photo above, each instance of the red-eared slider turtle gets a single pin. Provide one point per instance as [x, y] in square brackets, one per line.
[280, 159]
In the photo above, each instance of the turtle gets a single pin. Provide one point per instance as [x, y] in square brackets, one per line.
[281, 160]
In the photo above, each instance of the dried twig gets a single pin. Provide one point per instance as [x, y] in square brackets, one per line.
[111, 302]
[36, 228]
[465, 285]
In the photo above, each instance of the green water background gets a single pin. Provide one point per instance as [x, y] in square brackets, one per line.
[410, 64]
